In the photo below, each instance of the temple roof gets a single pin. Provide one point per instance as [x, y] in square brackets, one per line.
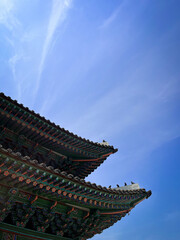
[72, 178]
[37, 197]
[85, 155]
[42, 186]
[101, 146]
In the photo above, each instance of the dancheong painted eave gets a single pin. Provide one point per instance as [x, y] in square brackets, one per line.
[100, 148]
[83, 155]
[35, 198]
[43, 193]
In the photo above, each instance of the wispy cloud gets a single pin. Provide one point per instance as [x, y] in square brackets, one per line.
[112, 17]
[6, 14]
[27, 47]
[9, 20]
[57, 16]
[13, 62]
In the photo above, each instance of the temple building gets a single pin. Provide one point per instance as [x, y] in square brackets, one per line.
[43, 192]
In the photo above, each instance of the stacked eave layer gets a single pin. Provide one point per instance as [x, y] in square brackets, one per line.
[33, 174]
[41, 186]
[85, 155]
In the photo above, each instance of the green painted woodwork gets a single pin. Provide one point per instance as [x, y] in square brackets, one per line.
[25, 114]
[109, 198]
[30, 148]
[27, 233]
[44, 209]
[43, 194]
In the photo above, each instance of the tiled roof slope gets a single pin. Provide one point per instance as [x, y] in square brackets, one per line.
[84, 156]
[70, 177]
[36, 191]
[2, 95]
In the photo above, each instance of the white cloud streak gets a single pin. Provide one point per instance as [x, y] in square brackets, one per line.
[57, 17]
[9, 20]
[21, 40]
[6, 16]
[108, 21]
[13, 62]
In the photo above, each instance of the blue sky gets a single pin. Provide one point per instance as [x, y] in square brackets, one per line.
[106, 70]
